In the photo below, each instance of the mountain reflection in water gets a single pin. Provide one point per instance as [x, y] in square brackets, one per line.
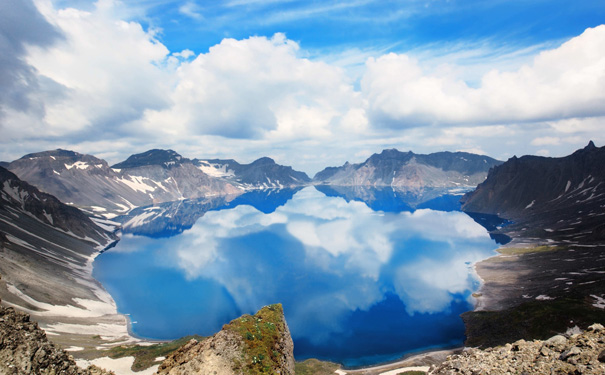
[360, 283]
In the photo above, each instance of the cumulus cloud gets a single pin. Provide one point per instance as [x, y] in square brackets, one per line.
[21, 25]
[565, 82]
[259, 87]
[102, 74]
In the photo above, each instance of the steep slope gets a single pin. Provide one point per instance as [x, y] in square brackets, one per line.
[407, 170]
[255, 344]
[562, 198]
[261, 173]
[47, 249]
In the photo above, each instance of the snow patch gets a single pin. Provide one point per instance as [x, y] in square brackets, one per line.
[215, 170]
[543, 297]
[78, 165]
[137, 183]
[599, 302]
[567, 186]
[531, 204]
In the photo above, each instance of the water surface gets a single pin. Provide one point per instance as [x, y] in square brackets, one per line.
[359, 285]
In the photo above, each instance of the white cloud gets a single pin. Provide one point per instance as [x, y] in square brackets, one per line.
[258, 87]
[102, 74]
[568, 81]
[191, 9]
[541, 141]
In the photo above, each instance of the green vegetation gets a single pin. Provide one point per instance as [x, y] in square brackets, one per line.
[530, 320]
[144, 356]
[316, 367]
[262, 334]
[412, 373]
[529, 249]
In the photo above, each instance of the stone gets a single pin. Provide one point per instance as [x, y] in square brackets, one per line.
[582, 354]
[558, 342]
[596, 327]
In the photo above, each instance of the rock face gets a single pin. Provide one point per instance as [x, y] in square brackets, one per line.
[248, 345]
[24, 349]
[576, 354]
[407, 170]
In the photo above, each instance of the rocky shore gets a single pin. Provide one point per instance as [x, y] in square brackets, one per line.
[573, 353]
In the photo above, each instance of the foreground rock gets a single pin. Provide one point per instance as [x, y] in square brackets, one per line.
[24, 349]
[578, 354]
[248, 345]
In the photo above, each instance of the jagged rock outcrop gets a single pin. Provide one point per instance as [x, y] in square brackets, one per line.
[25, 349]
[248, 345]
[574, 354]
[407, 170]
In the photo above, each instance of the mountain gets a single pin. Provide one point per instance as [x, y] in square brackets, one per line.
[143, 179]
[562, 198]
[167, 177]
[261, 173]
[47, 247]
[407, 170]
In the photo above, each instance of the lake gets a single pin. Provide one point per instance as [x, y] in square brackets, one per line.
[364, 275]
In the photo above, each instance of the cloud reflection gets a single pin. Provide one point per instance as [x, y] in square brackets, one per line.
[350, 257]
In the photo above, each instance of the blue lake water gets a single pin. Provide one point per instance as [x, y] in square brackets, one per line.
[363, 276]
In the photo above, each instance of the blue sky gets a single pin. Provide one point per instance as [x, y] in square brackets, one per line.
[308, 83]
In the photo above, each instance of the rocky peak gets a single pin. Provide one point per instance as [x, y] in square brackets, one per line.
[255, 344]
[25, 349]
[163, 158]
[263, 161]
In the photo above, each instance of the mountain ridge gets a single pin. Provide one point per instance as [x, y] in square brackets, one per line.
[407, 170]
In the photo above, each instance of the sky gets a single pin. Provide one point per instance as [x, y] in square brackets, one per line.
[309, 83]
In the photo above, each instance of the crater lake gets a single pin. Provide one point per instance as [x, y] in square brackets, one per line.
[364, 275]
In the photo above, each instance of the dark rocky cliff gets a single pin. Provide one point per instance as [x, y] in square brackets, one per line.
[536, 183]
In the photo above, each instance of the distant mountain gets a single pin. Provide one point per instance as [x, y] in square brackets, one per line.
[151, 177]
[410, 171]
[262, 173]
[163, 158]
[46, 247]
[143, 179]
[562, 196]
